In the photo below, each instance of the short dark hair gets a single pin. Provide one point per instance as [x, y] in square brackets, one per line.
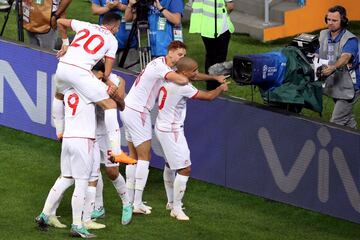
[111, 18]
[99, 66]
[176, 45]
[186, 64]
[342, 11]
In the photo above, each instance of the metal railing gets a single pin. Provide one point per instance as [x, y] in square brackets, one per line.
[267, 12]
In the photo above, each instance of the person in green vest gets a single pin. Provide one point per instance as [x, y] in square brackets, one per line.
[215, 34]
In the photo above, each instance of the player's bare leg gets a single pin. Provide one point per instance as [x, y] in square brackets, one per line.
[180, 182]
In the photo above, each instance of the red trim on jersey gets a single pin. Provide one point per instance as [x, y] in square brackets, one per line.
[167, 74]
[109, 57]
[193, 97]
[76, 66]
[136, 110]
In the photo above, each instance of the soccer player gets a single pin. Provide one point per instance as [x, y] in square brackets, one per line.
[112, 169]
[91, 43]
[169, 129]
[136, 117]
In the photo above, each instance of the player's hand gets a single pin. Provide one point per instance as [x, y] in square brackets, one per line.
[328, 70]
[62, 51]
[60, 137]
[157, 4]
[224, 86]
[112, 89]
[53, 22]
[132, 2]
[221, 78]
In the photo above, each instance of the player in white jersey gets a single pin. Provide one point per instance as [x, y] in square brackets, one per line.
[169, 129]
[77, 161]
[48, 215]
[136, 118]
[112, 169]
[91, 43]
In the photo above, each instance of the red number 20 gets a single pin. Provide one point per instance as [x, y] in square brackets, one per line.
[73, 102]
[85, 34]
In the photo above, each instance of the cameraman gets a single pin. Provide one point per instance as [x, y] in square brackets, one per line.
[164, 17]
[100, 7]
[342, 77]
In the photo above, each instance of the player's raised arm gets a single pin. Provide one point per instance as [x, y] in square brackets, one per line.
[211, 95]
[177, 78]
[63, 24]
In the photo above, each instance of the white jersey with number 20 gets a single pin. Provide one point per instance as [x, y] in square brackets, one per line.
[91, 43]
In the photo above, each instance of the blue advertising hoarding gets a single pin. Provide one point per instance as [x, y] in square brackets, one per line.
[237, 145]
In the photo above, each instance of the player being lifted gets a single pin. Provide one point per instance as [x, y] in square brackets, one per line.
[91, 43]
[169, 129]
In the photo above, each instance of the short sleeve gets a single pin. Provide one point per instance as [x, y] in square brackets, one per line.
[111, 53]
[351, 46]
[77, 25]
[176, 6]
[189, 91]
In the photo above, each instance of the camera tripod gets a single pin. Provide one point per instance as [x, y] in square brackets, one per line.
[18, 9]
[141, 29]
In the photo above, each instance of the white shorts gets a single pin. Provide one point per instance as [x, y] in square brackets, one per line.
[77, 158]
[175, 147]
[82, 80]
[137, 126]
[101, 151]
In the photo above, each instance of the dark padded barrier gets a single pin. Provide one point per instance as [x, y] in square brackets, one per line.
[252, 149]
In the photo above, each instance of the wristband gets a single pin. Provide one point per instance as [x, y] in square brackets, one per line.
[162, 9]
[65, 41]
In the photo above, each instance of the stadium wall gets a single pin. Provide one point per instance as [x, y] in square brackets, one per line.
[237, 145]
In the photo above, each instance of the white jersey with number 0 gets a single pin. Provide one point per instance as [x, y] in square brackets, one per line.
[172, 105]
[91, 43]
[80, 121]
[145, 89]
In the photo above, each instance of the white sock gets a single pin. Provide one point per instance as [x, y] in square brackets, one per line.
[179, 190]
[55, 195]
[113, 130]
[99, 202]
[169, 177]
[130, 181]
[89, 203]
[78, 200]
[141, 175]
[120, 186]
[57, 113]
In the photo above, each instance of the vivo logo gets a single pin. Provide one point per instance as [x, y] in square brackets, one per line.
[35, 110]
[287, 183]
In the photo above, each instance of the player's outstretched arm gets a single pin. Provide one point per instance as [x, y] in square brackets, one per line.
[62, 25]
[177, 78]
[211, 95]
[203, 77]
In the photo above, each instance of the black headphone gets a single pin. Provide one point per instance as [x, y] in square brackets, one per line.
[343, 19]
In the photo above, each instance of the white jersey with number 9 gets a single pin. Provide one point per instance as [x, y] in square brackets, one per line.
[80, 120]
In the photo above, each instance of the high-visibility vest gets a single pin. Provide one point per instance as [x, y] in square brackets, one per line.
[202, 19]
[37, 15]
